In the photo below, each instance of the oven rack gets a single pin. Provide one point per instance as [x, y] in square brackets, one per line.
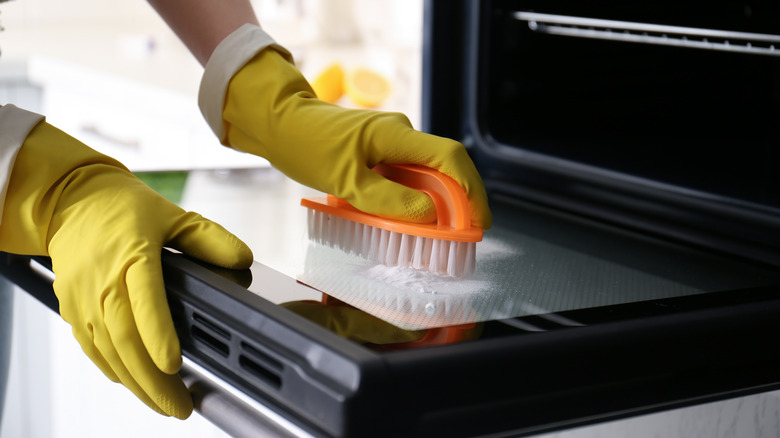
[657, 34]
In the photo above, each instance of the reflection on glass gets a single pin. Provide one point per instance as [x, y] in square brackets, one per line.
[532, 262]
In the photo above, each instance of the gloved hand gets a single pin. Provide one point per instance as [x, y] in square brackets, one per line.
[269, 110]
[104, 231]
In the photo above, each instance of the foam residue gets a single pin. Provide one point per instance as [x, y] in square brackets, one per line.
[407, 297]
[422, 281]
[516, 274]
[426, 282]
[490, 249]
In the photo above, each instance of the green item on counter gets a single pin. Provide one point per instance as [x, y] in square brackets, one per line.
[169, 184]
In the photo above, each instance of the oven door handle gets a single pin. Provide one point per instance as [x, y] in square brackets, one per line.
[222, 405]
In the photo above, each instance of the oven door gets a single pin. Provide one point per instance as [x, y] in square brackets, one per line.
[568, 321]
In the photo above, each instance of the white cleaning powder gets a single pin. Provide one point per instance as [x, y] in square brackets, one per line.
[404, 296]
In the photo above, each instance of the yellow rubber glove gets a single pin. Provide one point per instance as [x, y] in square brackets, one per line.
[271, 111]
[104, 231]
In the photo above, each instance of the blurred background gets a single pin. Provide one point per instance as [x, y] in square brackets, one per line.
[114, 76]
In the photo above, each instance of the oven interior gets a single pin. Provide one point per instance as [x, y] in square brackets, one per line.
[659, 116]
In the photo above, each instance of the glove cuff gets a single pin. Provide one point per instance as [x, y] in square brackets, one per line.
[15, 126]
[230, 56]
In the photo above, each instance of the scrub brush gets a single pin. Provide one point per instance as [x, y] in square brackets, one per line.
[446, 246]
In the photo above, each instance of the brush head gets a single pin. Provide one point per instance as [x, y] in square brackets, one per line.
[407, 298]
[447, 246]
[392, 248]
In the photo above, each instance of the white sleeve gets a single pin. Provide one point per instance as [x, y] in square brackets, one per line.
[233, 53]
[15, 126]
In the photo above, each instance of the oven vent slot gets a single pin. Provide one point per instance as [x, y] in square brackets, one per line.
[211, 335]
[205, 338]
[200, 320]
[646, 33]
[260, 365]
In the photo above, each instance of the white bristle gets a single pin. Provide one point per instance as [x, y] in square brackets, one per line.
[311, 222]
[452, 258]
[405, 251]
[333, 231]
[444, 252]
[322, 226]
[427, 251]
[373, 249]
[381, 251]
[470, 259]
[366, 242]
[345, 234]
[319, 219]
[337, 231]
[417, 255]
[446, 257]
[328, 224]
[357, 234]
[393, 248]
[349, 235]
[435, 262]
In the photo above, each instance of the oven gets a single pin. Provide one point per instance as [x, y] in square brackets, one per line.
[630, 155]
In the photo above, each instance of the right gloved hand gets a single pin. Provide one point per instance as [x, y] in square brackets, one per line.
[267, 108]
[104, 231]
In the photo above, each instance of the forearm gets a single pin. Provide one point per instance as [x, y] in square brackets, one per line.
[203, 24]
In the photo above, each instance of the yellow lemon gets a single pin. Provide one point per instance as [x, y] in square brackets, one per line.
[366, 87]
[328, 85]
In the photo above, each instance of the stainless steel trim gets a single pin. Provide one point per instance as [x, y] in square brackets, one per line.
[647, 33]
[42, 270]
[232, 411]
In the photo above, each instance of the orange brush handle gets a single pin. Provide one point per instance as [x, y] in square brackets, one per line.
[453, 212]
[451, 202]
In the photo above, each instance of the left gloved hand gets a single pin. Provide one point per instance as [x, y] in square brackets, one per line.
[268, 109]
[104, 231]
